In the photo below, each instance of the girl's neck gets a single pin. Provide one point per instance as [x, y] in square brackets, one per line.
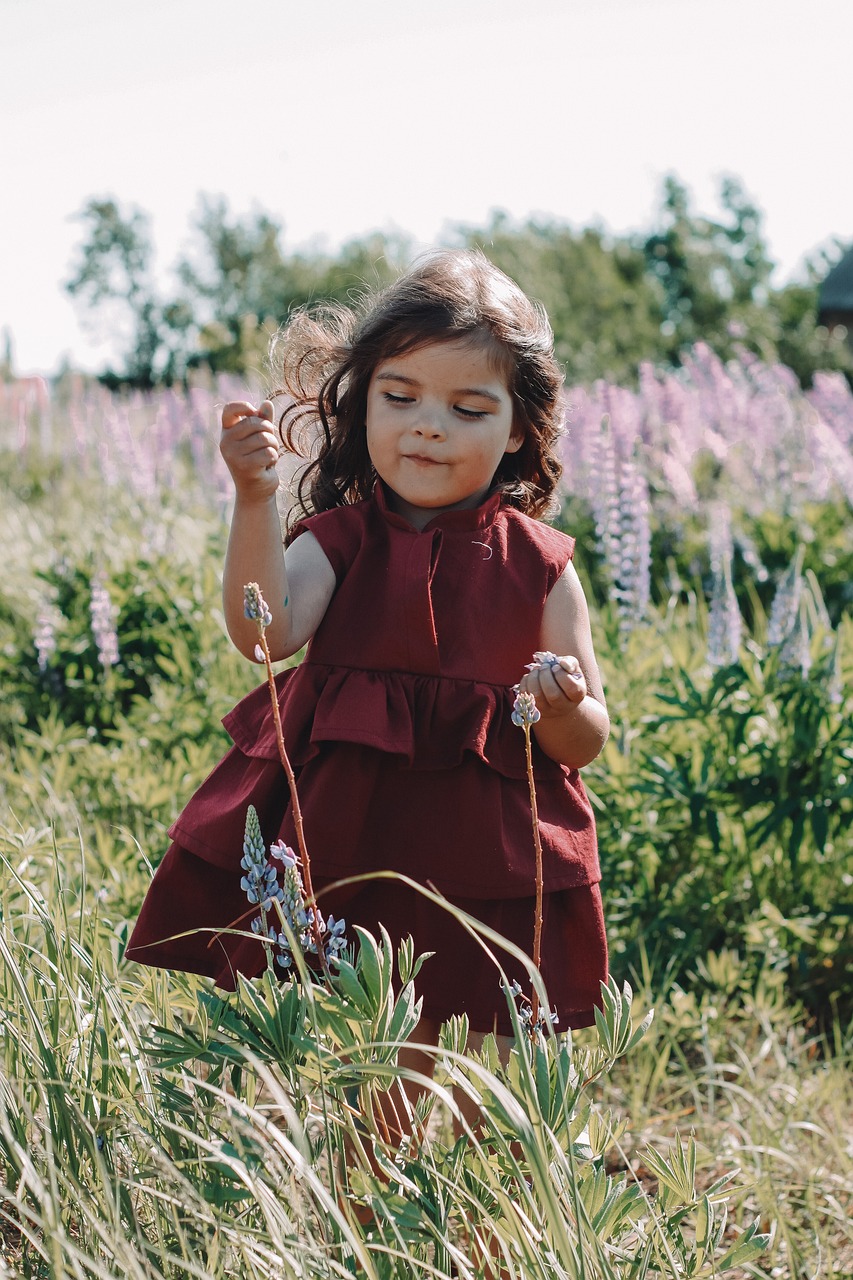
[420, 517]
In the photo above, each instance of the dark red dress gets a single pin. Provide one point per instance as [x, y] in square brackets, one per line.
[398, 725]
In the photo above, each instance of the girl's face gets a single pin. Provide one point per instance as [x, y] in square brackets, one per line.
[439, 420]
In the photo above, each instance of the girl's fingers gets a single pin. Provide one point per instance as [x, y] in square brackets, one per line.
[239, 410]
[250, 431]
[553, 686]
[236, 411]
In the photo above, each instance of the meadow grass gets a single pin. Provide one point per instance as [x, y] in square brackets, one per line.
[150, 1127]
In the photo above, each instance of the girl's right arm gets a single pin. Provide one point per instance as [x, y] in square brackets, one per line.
[297, 586]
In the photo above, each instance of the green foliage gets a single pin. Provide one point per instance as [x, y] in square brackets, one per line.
[155, 1128]
[114, 279]
[614, 301]
[603, 306]
[725, 816]
[234, 288]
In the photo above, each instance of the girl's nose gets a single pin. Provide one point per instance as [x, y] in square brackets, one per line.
[430, 426]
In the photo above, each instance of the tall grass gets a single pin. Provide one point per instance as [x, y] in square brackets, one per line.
[149, 1127]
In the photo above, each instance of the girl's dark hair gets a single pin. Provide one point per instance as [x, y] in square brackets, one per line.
[324, 362]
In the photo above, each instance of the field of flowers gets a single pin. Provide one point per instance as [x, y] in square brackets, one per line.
[149, 1127]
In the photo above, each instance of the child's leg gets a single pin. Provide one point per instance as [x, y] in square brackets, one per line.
[392, 1104]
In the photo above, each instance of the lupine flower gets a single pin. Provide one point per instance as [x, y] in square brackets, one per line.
[542, 659]
[260, 883]
[725, 624]
[526, 1017]
[786, 603]
[104, 616]
[45, 637]
[796, 652]
[255, 606]
[632, 588]
[262, 887]
[604, 496]
[524, 710]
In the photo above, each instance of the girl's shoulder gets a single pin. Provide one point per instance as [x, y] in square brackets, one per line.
[339, 531]
[529, 538]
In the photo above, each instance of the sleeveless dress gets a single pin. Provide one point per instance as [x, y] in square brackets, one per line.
[398, 725]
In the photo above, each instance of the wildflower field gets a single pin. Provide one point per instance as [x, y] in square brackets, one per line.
[151, 1127]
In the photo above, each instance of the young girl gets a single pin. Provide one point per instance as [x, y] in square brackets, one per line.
[420, 576]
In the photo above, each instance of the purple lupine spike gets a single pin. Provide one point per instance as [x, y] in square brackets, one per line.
[262, 888]
[255, 606]
[786, 602]
[44, 637]
[524, 710]
[725, 623]
[104, 616]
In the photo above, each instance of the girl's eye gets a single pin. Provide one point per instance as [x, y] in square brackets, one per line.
[470, 413]
[392, 399]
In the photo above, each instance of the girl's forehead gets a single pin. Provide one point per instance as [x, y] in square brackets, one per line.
[454, 359]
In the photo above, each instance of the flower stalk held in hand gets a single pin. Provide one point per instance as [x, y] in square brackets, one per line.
[256, 609]
[525, 714]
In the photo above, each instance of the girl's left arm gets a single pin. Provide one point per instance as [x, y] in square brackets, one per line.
[574, 724]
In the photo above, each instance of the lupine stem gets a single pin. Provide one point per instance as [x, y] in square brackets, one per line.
[294, 801]
[537, 918]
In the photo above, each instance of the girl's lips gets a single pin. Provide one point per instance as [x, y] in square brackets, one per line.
[421, 460]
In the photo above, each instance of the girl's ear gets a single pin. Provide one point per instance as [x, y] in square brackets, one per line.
[516, 439]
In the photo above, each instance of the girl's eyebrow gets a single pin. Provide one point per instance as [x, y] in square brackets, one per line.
[463, 391]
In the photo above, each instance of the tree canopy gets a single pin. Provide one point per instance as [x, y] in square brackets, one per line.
[614, 301]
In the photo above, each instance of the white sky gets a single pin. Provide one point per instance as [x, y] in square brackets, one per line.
[340, 116]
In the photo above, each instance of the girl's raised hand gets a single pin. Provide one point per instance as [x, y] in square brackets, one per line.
[557, 684]
[251, 448]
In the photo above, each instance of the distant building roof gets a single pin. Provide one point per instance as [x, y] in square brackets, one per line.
[836, 292]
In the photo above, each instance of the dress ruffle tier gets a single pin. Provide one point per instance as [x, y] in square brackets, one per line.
[427, 722]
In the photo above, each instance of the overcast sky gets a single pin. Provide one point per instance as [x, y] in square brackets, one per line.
[340, 116]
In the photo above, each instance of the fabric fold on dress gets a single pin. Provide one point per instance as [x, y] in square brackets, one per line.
[428, 722]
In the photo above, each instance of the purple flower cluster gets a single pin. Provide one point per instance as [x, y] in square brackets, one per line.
[530, 1024]
[725, 623]
[44, 637]
[741, 432]
[619, 496]
[283, 916]
[104, 616]
[525, 711]
[255, 606]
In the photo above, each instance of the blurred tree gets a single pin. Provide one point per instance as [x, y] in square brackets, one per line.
[240, 285]
[113, 281]
[803, 344]
[234, 287]
[7, 360]
[605, 309]
[613, 301]
[714, 274]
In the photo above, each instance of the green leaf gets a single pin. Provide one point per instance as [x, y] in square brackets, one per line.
[749, 1247]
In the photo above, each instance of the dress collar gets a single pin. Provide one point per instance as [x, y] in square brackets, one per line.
[461, 518]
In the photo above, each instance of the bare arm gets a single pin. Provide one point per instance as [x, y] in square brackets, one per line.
[297, 586]
[574, 724]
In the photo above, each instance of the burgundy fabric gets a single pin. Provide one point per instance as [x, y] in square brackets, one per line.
[398, 725]
[197, 899]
